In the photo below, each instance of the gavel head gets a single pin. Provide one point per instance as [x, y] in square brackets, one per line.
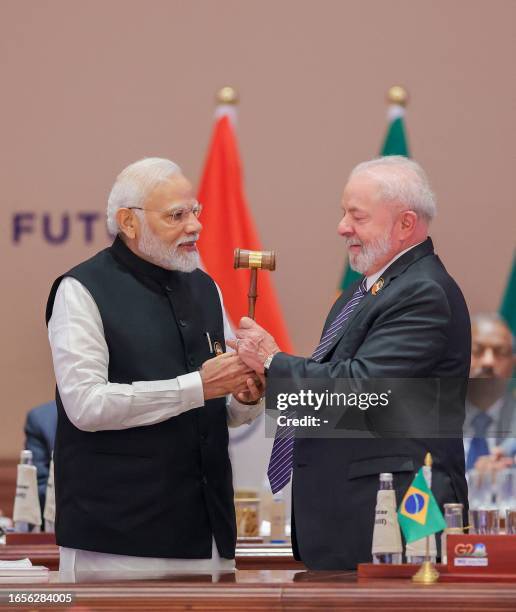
[264, 260]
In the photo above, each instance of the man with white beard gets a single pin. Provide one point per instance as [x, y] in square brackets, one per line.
[142, 473]
[404, 319]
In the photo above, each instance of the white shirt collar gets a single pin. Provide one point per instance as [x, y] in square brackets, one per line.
[371, 280]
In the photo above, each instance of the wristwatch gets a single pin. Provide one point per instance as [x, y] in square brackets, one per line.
[267, 364]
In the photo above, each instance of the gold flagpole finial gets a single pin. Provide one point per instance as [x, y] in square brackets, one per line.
[428, 460]
[227, 95]
[397, 95]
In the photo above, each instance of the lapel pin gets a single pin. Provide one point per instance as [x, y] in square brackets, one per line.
[377, 286]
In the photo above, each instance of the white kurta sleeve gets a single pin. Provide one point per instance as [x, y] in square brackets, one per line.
[238, 413]
[80, 355]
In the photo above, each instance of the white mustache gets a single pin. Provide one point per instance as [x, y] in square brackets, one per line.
[193, 238]
[349, 242]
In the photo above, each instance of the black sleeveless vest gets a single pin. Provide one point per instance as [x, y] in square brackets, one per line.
[165, 489]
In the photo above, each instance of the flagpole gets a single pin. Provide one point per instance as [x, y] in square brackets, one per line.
[227, 100]
[395, 142]
[427, 573]
[397, 95]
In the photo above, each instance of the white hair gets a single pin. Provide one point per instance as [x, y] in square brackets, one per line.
[134, 184]
[400, 180]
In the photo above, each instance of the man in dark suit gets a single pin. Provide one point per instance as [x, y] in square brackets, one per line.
[40, 433]
[405, 319]
[490, 424]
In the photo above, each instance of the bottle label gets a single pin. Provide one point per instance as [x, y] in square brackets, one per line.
[26, 501]
[386, 533]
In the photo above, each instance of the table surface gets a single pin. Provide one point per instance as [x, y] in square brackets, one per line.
[278, 590]
[267, 578]
[248, 556]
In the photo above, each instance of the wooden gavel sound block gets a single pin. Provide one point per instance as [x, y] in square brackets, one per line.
[254, 260]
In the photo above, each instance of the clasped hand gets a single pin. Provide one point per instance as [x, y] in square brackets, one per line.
[240, 373]
[253, 344]
[226, 374]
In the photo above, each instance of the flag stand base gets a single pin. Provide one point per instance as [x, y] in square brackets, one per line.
[426, 574]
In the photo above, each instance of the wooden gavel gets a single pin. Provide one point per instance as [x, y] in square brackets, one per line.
[254, 260]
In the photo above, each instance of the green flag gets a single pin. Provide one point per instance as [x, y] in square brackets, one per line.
[419, 514]
[396, 140]
[508, 306]
[395, 144]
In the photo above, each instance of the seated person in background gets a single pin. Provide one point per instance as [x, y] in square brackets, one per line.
[40, 433]
[490, 424]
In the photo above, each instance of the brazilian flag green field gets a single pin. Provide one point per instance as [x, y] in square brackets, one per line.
[419, 514]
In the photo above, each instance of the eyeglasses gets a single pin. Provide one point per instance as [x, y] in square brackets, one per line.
[177, 215]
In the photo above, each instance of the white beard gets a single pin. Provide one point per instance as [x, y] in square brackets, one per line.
[369, 254]
[168, 257]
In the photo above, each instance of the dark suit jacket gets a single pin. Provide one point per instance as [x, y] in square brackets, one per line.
[505, 427]
[40, 433]
[417, 326]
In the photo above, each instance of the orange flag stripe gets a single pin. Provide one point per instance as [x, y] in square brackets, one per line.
[227, 225]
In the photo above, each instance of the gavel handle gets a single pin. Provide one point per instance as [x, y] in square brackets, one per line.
[252, 295]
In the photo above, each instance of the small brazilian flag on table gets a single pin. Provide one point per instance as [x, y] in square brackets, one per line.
[419, 514]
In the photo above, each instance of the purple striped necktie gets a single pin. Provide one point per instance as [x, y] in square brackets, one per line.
[280, 464]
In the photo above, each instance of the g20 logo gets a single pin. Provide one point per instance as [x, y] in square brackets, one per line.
[470, 550]
[463, 550]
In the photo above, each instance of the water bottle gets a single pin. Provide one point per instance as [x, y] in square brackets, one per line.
[387, 546]
[278, 535]
[454, 525]
[23, 526]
